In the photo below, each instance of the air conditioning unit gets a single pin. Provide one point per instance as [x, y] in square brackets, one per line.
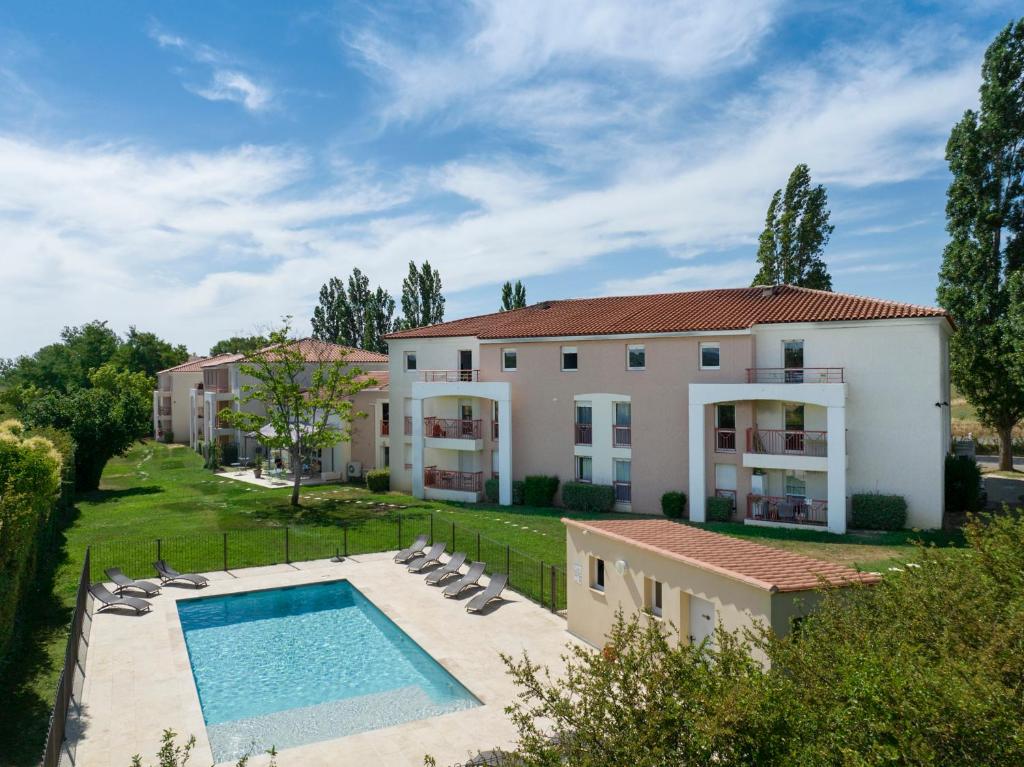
[355, 469]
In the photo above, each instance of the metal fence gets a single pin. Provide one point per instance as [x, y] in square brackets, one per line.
[68, 697]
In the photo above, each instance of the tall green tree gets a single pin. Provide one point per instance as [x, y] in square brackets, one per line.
[796, 231]
[378, 321]
[66, 365]
[147, 353]
[422, 300]
[513, 296]
[238, 345]
[352, 314]
[981, 282]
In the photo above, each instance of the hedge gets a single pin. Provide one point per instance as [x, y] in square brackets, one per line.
[518, 492]
[673, 504]
[963, 484]
[874, 511]
[539, 490]
[583, 496]
[718, 509]
[378, 480]
[491, 490]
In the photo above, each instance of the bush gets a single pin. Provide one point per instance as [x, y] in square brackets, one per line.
[583, 496]
[718, 509]
[963, 484]
[673, 504]
[874, 511]
[229, 455]
[518, 492]
[539, 490]
[491, 490]
[378, 480]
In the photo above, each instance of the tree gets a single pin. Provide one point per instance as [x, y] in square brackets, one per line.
[238, 345]
[66, 365]
[981, 282]
[332, 316]
[308, 404]
[422, 301]
[796, 231]
[378, 321]
[354, 316]
[513, 297]
[147, 353]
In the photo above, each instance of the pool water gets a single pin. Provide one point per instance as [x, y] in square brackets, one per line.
[296, 665]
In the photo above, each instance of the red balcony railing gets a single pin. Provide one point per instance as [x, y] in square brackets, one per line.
[725, 440]
[787, 442]
[791, 508]
[385, 428]
[443, 479]
[452, 428]
[623, 492]
[794, 375]
[622, 436]
[450, 376]
[408, 426]
[584, 434]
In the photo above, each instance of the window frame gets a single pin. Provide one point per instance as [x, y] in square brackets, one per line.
[654, 597]
[579, 474]
[504, 360]
[700, 354]
[406, 356]
[598, 574]
[643, 350]
[574, 350]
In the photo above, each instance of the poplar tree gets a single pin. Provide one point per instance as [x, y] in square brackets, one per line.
[354, 315]
[513, 296]
[422, 300]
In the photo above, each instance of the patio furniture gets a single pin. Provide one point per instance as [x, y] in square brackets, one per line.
[471, 578]
[168, 574]
[122, 582]
[102, 594]
[493, 591]
[451, 567]
[432, 557]
[408, 553]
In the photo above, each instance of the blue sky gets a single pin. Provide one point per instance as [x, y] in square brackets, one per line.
[200, 169]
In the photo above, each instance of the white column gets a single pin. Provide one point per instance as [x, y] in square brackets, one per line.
[698, 492]
[417, 446]
[505, 452]
[837, 469]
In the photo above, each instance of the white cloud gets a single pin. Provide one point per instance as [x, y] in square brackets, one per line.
[234, 86]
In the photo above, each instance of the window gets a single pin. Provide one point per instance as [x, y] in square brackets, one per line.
[636, 357]
[410, 360]
[794, 416]
[570, 359]
[793, 360]
[584, 468]
[387, 456]
[584, 424]
[725, 428]
[622, 432]
[710, 356]
[495, 463]
[653, 596]
[494, 419]
[623, 485]
[796, 484]
[597, 574]
[508, 359]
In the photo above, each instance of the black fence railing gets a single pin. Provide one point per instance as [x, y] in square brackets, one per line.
[543, 582]
[67, 700]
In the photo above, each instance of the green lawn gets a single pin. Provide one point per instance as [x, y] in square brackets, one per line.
[160, 491]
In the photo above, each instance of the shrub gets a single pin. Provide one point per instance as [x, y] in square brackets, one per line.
[539, 490]
[229, 455]
[874, 511]
[583, 496]
[718, 509]
[378, 480]
[518, 492]
[491, 490]
[673, 504]
[963, 484]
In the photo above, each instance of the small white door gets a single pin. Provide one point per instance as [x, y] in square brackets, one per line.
[702, 620]
[725, 476]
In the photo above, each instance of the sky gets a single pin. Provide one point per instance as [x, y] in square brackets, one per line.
[199, 170]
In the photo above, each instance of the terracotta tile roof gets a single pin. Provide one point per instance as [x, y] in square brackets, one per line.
[725, 309]
[762, 566]
[196, 365]
[220, 359]
[314, 350]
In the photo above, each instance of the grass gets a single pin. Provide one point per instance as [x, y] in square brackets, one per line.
[162, 491]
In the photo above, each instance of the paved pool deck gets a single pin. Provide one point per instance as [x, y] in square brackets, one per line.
[138, 680]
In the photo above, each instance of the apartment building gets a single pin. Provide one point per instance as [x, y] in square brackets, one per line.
[783, 399]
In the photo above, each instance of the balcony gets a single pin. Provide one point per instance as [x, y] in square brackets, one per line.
[725, 440]
[794, 375]
[790, 509]
[787, 442]
[459, 481]
[584, 434]
[450, 376]
[622, 436]
[623, 492]
[385, 428]
[452, 428]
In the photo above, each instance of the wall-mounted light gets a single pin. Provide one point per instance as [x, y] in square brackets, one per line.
[620, 566]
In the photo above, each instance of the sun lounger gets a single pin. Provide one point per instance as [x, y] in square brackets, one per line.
[451, 567]
[102, 594]
[471, 578]
[417, 548]
[432, 557]
[493, 591]
[122, 582]
[168, 574]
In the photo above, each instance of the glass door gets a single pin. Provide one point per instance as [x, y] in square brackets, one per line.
[793, 360]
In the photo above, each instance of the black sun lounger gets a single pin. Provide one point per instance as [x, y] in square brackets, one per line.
[168, 574]
[102, 594]
[122, 582]
[432, 557]
[451, 567]
[493, 591]
[417, 548]
[471, 578]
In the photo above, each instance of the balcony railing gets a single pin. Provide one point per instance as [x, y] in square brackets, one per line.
[623, 492]
[787, 442]
[408, 426]
[450, 376]
[622, 436]
[452, 428]
[791, 508]
[584, 434]
[443, 479]
[725, 440]
[794, 375]
[164, 409]
[385, 428]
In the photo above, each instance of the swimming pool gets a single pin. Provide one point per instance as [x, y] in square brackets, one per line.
[295, 665]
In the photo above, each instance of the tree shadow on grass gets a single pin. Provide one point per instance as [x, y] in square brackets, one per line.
[340, 511]
[112, 496]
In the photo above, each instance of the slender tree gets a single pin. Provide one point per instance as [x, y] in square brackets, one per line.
[422, 300]
[513, 297]
[332, 317]
[796, 231]
[354, 315]
[378, 321]
[981, 281]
